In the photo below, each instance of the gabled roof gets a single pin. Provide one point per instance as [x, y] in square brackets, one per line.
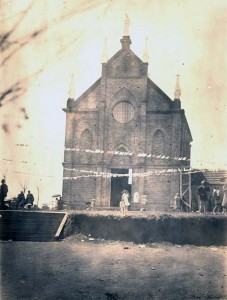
[213, 177]
[120, 52]
[89, 90]
[187, 126]
[150, 83]
[125, 63]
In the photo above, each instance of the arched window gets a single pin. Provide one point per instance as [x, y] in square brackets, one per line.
[158, 143]
[86, 139]
[86, 143]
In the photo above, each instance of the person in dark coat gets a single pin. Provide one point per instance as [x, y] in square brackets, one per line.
[29, 198]
[3, 194]
[203, 196]
[20, 200]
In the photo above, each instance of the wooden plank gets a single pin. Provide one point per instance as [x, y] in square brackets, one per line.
[57, 235]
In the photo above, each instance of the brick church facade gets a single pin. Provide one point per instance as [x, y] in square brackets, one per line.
[124, 113]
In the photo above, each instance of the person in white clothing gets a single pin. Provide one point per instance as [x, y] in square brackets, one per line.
[124, 200]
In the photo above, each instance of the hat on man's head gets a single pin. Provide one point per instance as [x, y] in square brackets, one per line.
[204, 182]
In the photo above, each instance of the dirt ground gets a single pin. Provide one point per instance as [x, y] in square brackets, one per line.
[82, 267]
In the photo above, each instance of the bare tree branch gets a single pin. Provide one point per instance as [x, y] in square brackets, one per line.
[4, 38]
[11, 45]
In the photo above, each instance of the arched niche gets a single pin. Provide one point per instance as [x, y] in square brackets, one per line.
[86, 142]
[123, 95]
[120, 160]
[158, 143]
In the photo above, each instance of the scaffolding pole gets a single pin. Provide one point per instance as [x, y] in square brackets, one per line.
[188, 187]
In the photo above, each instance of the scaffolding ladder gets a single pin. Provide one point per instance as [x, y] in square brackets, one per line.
[186, 187]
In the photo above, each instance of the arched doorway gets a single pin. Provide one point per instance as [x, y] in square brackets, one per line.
[118, 184]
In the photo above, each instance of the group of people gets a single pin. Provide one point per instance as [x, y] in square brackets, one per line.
[214, 201]
[21, 200]
[24, 202]
[217, 199]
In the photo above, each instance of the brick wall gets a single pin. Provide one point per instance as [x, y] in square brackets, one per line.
[124, 78]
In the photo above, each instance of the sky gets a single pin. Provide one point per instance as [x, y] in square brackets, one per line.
[48, 41]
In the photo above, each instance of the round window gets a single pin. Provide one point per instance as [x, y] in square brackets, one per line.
[123, 112]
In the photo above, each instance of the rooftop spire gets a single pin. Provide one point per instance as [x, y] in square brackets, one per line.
[126, 41]
[71, 94]
[126, 26]
[105, 51]
[145, 51]
[177, 92]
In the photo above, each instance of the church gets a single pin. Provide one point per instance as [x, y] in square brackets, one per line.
[124, 133]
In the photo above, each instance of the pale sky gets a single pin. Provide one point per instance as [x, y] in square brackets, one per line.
[53, 39]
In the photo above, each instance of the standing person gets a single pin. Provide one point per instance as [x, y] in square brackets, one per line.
[216, 195]
[125, 197]
[224, 200]
[3, 194]
[177, 202]
[20, 200]
[202, 192]
[122, 205]
[60, 203]
[30, 198]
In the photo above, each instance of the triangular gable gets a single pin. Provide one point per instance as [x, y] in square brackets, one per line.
[156, 98]
[89, 90]
[187, 128]
[122, 52]
[125, 63]
[88, 100]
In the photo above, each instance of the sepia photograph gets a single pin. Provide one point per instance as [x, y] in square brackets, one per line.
[113, 149]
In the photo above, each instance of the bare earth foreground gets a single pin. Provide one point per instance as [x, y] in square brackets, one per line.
[81, 267]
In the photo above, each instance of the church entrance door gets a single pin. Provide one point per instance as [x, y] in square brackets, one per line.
[118, 184]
